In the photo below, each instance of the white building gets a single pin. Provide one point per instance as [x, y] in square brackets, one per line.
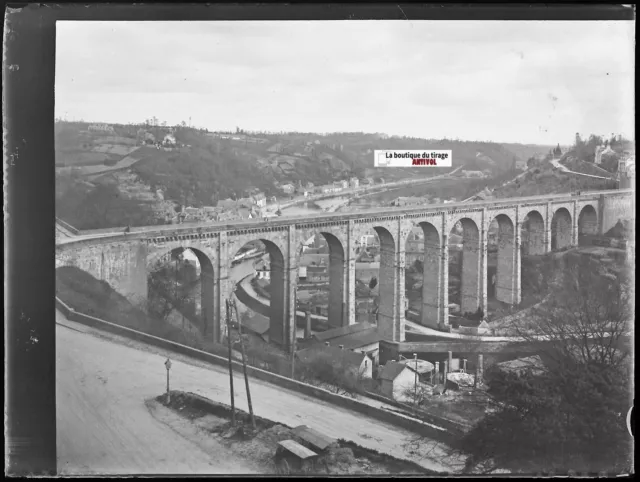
[395, 378]
[169, 139]
[368, 240]
[101, 128]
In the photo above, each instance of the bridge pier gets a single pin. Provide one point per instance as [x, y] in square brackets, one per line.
[122, 260]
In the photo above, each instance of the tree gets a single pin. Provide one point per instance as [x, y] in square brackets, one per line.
[333, 374]
[165, 294]
[568, 413]
[373, 283]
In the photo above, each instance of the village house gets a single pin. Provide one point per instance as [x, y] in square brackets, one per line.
[245, 213]
[366, 181]
[365, 272]
[521, 366]
[395, 378]
[302, 191]
[288, 188]
[263, 270]
[368, 240]
[316, 274]
[308, 259]
[342, 184]
[520, 165]
[169, 140]
[309, 186]
[359, 337]
[101, 128]
[354, 183]
[358, 365]
[227, 204]
[260, 199]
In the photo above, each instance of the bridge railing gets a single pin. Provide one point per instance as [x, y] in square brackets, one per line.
[161, 230]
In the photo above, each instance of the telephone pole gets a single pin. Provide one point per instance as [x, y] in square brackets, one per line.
[233, 405]
[244, 365]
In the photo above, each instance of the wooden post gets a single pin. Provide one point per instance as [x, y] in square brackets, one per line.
[233, 405]
[244, 366]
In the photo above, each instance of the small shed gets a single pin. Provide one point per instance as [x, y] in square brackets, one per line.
[297, 457]
[395, 378]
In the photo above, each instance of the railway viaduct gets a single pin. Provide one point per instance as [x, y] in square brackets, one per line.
[550, 222]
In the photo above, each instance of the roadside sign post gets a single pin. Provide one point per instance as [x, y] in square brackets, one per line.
[167, 364]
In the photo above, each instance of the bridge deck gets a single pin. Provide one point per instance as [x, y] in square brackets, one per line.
[282, 221]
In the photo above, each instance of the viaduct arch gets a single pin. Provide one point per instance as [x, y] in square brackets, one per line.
[549, 222]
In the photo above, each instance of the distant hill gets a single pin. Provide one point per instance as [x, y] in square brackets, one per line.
[527, 151]
[208, 167]
[545, 179]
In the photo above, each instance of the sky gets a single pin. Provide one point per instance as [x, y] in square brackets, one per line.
[527, 82]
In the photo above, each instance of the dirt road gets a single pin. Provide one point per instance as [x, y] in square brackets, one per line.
[104, 426]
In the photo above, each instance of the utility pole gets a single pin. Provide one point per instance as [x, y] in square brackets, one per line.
[293, 342]
[415, 386]
[244, 366]
[233, 405]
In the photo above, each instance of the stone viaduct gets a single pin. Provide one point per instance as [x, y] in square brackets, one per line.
[534, 225]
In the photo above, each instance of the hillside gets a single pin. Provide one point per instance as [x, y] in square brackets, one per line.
[527, 151]
[202, 168]
[545, 179]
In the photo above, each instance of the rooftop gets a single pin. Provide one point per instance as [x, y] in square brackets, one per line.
[344, 330]
[391, 370]
[334, 352]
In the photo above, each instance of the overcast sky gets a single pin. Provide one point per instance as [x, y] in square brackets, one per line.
[530, 82]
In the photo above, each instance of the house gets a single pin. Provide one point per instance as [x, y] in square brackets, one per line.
[314, 260]
[365, 182]
[246, 202]
[354, 183]
[369, 240]
[361, 337]
[302, 191]
[395, 378]
[263, 272]
[358, 364]
[365, 272]
[227, 204]
[245, 213]
[520, 366]
[288, 188]
[169, 140]
[317, 274]
[309, 185]
[341, 184]
[101, 128]
[324, 189]
[521, 165]
[260, 199]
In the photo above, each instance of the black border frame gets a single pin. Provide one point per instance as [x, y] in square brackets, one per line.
[28, 94]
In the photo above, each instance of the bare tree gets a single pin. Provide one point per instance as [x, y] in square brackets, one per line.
[567, 411]
[587, 317]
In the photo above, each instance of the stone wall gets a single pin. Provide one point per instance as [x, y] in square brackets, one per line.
[122, 264]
